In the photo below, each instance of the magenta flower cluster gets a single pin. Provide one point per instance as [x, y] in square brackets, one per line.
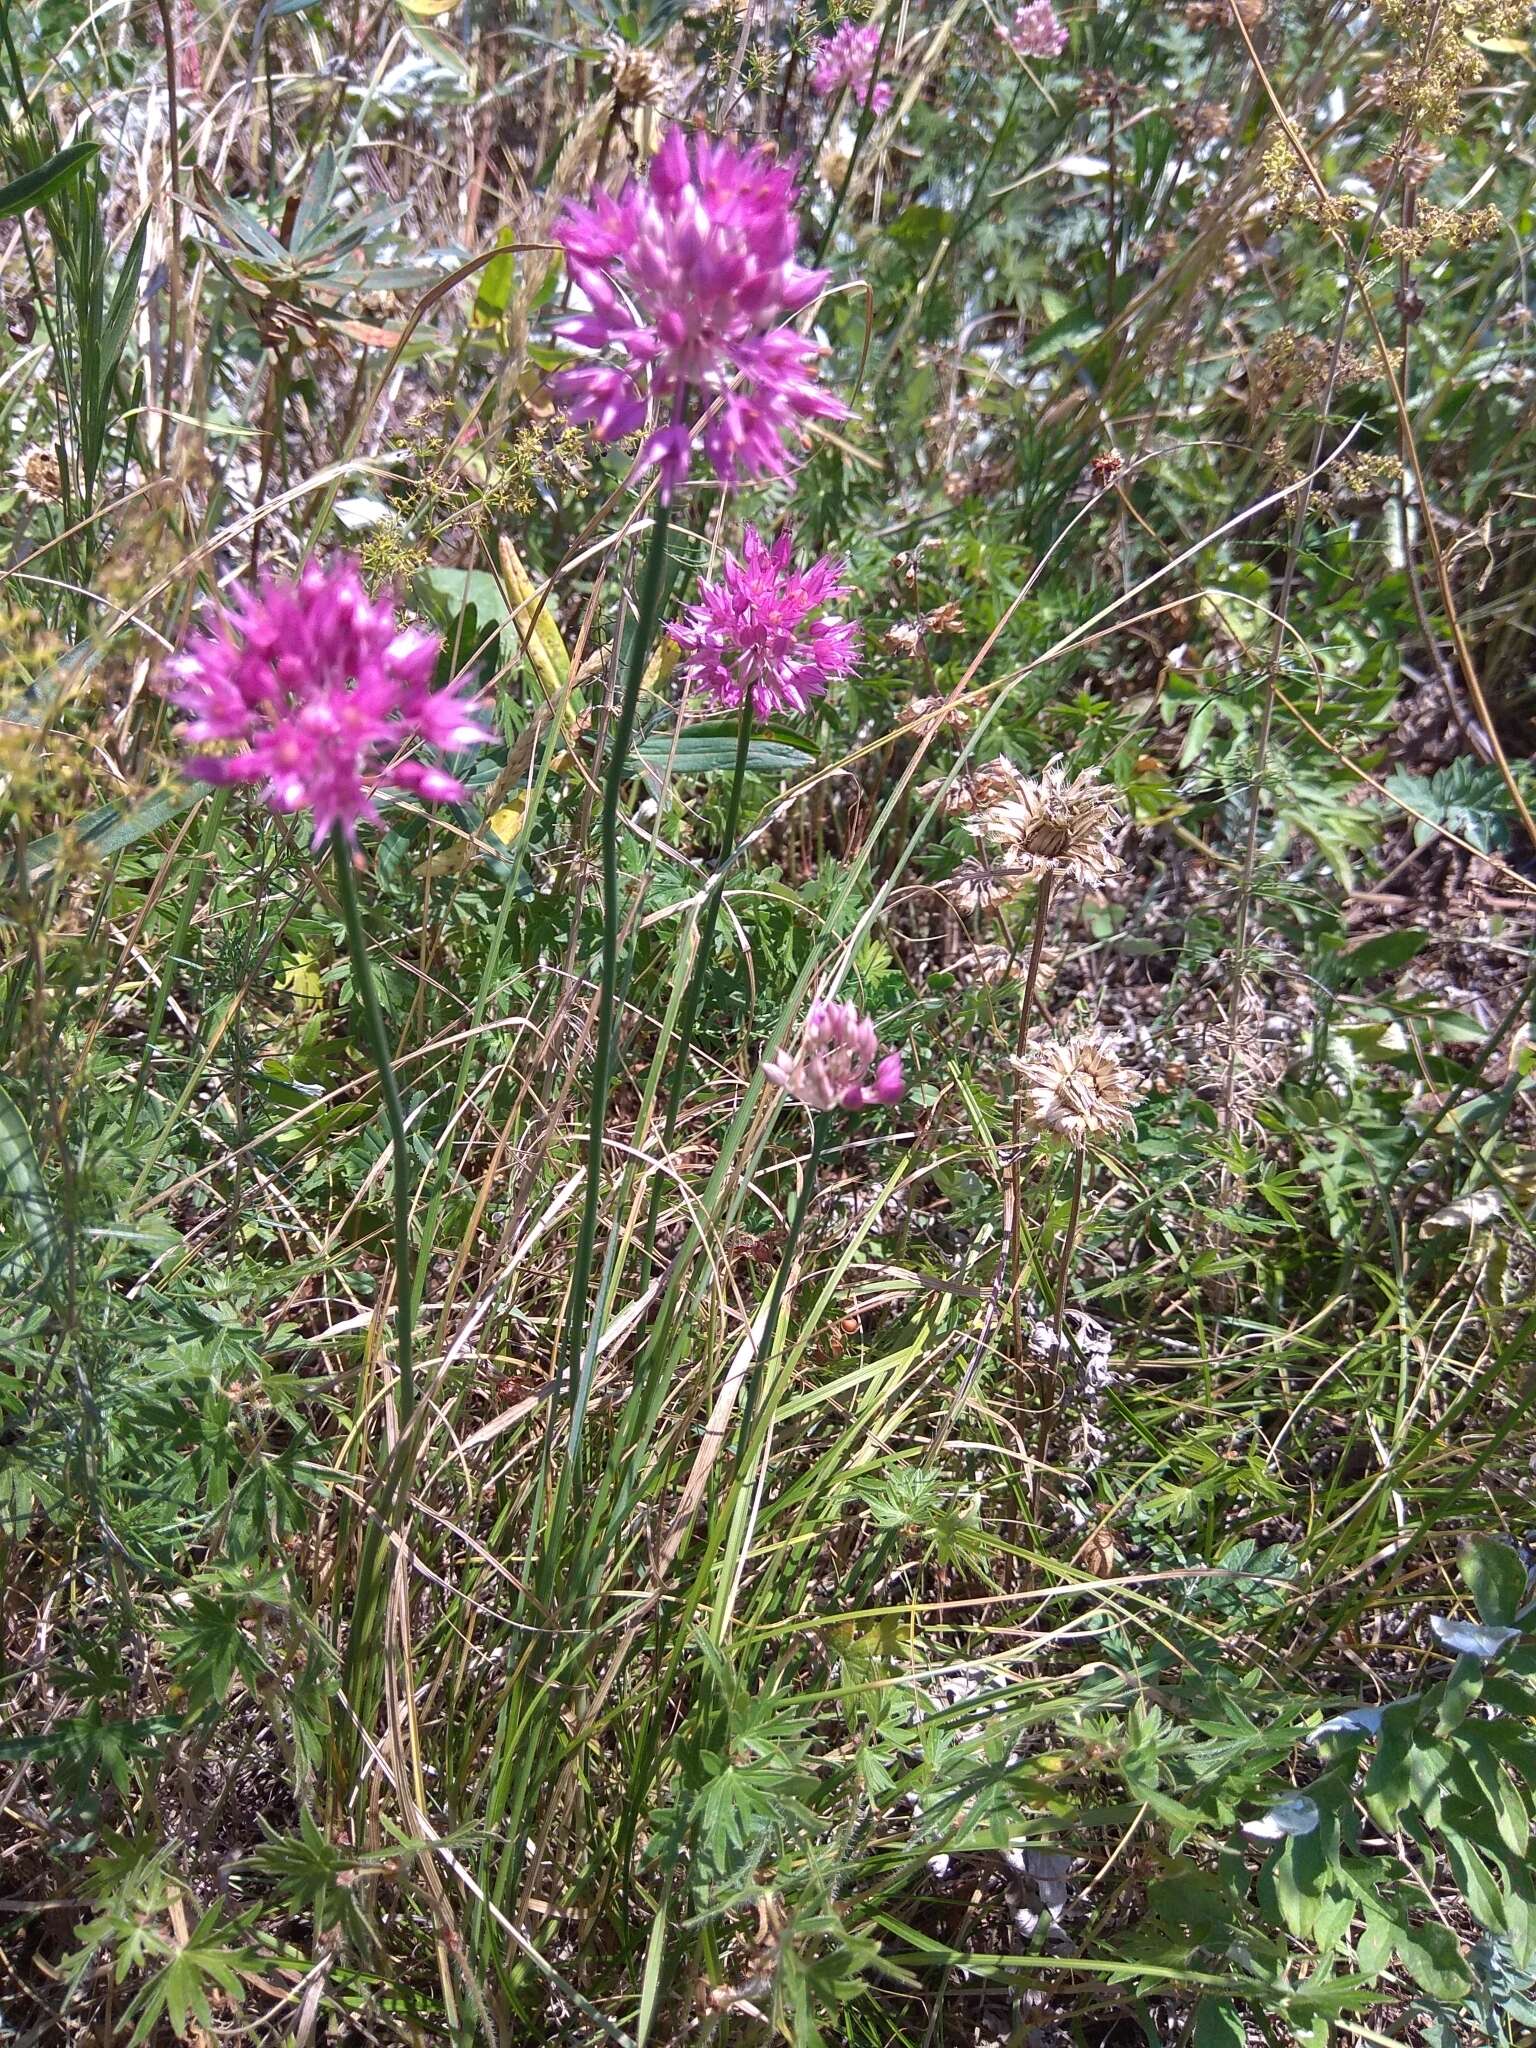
[762, 629]
[691, 279]
[848, 59]
[1037, 30]
[319, 687]
[830, 1069]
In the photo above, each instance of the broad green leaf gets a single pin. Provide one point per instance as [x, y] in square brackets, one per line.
[34, 186]
[1494, 1576]
[709, 754]
[469, 608]
[1217, 2025]
[1383, 954]
[1474, 1882]
[115, 826]
[1378, 1938]
[1431, 1955]
[26, 1209]
[495, 287]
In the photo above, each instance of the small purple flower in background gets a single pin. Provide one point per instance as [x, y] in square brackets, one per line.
[1037, 30]
[320, 685]
[848, 59]
[761, 629]
[692, 277]
[830, 1067]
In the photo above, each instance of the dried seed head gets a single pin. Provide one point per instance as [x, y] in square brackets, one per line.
[1050, 824]
[975, 886]
[1078, 1087]
[944, 713]
[987, 966]
[37, 472]
[639, 77]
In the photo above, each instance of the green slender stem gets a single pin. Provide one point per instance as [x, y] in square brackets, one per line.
[394, 1117]
[1021, 1046]
[576, 1370]
[709, 917]
[821, 1126]
[866, 122]
[1068, 1242]
[191, 895]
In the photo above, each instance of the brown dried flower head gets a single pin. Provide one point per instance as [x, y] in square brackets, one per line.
[975, 886]
[37, 472]
[1051, 825]
[944, 713]
[1078, 1087]
[639, 77]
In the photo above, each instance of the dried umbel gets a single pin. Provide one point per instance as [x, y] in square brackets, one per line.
[639, 77]
[1047, 826]
[1078, 1088]
[763, 628]
[319, 687]
[691, 280]
[838, 1063]
[847, 59]
[36, 470]
[944, 714]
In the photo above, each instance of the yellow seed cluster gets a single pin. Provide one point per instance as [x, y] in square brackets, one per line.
[1364, 476]
[389, 554]
[465, 488]
[1296, 197]
[1443, 225]
[1439, 63]
[1297, 366]
[32, 775]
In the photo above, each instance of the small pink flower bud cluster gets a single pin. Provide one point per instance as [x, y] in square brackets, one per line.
[831, 1066]
[1037, 30]
[848, 59]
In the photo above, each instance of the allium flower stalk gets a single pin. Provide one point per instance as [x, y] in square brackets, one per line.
[848, 58]
[1037, 30]
[691, 279]
[318, 687]
[831, 1067]
[762, 631]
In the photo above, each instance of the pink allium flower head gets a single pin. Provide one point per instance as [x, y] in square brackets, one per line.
[1037, 30]
[761, 628]
[848, 58]
[692, 278]
[831, 1066]
[320, 686]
